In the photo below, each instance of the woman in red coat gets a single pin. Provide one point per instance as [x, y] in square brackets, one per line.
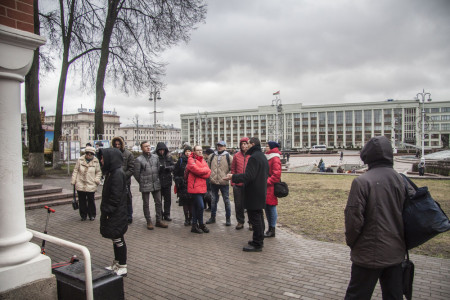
[197, 171]
[273, 155]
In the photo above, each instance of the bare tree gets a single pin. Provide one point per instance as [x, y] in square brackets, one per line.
[73, 28]
[134, 32]
[36, 134]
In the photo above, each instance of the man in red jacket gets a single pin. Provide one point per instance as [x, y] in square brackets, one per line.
[237, 167]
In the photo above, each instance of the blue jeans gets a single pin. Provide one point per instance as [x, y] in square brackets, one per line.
[271, 214]
[225, 191]
[197, 209]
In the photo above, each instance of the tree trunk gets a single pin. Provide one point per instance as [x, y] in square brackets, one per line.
[36, 135]
[101, 73]
[59, 112]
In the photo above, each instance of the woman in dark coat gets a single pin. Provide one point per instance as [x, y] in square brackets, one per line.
[184, 199]
[113, 219]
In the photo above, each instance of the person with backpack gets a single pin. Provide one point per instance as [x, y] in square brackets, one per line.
[374, 228]
[220, 164]
[184, 198]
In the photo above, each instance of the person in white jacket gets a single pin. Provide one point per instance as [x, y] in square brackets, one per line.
[86, 178]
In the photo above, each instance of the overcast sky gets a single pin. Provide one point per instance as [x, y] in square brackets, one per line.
[313, 51]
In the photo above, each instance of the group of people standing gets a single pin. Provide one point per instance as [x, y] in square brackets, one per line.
[198, 177]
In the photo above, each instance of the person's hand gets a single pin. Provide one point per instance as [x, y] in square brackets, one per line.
[228, 177]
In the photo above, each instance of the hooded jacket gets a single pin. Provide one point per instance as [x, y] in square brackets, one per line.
[373, 215]
[240, 160]
[254, 179]
[218, 163]
[197, 171]
[178, 174]
[274, 159]
[86, 175]
[146, 172]
[113, 219]
[166, 165]
[128, 158]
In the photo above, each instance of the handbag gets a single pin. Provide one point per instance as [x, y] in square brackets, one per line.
[407, 277]
[74, 200]
[423, 217]
[280, 189]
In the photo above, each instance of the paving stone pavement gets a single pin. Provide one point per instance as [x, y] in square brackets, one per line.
[174, 263]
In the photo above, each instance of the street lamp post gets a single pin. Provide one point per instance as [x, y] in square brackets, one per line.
[422, 97]
[154, 95]
[277, 103]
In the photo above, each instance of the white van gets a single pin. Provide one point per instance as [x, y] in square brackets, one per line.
[319, 148]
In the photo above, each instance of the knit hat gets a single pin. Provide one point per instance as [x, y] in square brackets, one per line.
[273, 144]
[187, 148]
[89, 149]
[244, 139]
[221, 143]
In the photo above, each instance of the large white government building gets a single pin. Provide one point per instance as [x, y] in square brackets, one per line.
[345, 125]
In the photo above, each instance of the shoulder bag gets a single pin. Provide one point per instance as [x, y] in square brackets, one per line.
[280, 189]
[74, 200]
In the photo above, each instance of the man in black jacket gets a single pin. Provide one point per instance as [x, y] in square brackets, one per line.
[166, 167]
[255, 191]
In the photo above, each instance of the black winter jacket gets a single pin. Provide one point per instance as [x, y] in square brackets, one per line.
[113, 219]
[180, 182]
[166, 165]
[254, 179]
[373, 215]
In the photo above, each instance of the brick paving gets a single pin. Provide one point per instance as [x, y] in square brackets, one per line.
[174, 263]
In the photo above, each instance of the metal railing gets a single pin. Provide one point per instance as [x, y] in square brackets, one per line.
[82, 249]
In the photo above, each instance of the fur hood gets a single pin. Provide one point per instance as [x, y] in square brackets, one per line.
[122, 144]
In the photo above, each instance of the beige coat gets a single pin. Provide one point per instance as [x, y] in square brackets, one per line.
[86, 176]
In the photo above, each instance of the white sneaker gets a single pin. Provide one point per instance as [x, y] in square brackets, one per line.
[121, 270]
[113, 266]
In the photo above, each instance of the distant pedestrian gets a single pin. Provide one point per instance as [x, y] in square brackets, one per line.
[342, 155]
[255, 189]
[86, 178]
[197, 171]
[288, 155]
[113, 219]
[421, 168]
[184, 198]
[146, 173]
[273, 156]
[374, 225]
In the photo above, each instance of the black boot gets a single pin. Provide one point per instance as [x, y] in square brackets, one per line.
[270, 233]
[203, 228]
[211, 220]
[196, 229]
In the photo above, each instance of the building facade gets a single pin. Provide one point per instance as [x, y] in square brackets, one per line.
[347, 125]
[81, 127]
[133, 135]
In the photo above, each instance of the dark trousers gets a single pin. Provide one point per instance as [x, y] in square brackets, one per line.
[363, 281]
[238, 195]
[87, 204]
[197, 209]
[256, 218]
[166, 195]
[120, 250]
[129, 202]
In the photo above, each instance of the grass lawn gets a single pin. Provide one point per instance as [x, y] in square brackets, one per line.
[315, 209]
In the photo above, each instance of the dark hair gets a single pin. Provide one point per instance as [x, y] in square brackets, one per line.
[88, 145]
[254, 140]
[143, 142]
